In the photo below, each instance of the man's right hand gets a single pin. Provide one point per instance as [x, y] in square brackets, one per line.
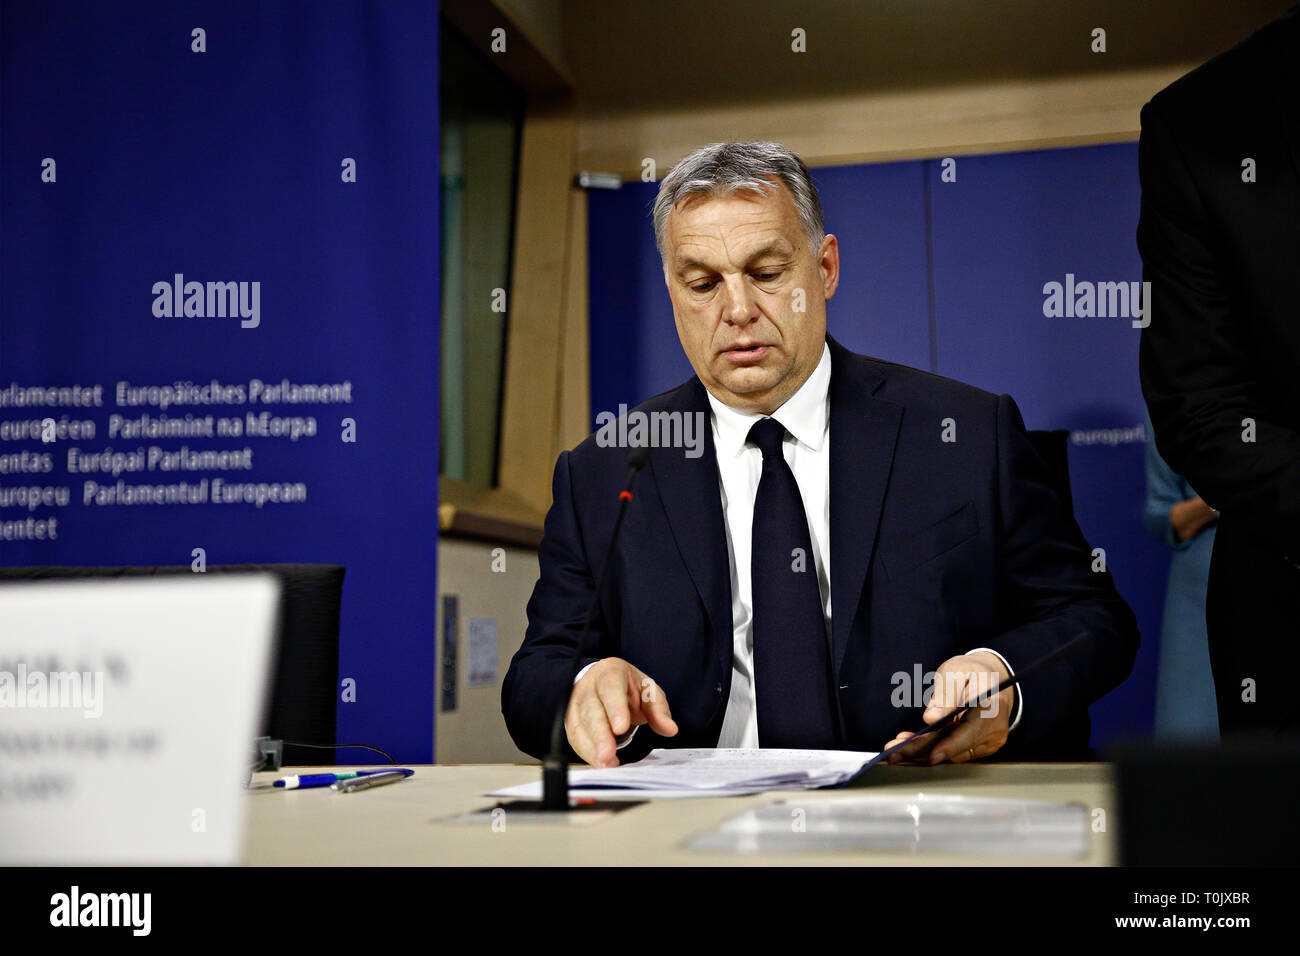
[1188, 517]
[609, 700]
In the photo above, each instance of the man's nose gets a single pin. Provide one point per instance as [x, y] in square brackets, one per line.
[739, 306]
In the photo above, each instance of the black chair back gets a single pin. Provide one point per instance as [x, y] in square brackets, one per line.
[304, 681]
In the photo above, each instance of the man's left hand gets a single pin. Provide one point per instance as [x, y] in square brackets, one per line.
[982, 731]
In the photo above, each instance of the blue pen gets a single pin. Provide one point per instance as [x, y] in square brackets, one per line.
[304, 781]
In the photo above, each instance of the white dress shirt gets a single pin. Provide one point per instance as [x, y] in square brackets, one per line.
[806, 417]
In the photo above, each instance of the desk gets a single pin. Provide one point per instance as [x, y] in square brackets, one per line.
[402, 824]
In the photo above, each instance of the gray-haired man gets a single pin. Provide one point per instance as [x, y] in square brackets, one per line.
[825, 479]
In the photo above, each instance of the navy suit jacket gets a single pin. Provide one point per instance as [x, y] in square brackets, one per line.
[936, 547]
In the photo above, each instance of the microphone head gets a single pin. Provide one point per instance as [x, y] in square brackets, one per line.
[638, 456]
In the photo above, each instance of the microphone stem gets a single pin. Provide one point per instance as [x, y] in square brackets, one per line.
[555, 768]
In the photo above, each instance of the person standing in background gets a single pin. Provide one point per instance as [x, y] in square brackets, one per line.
[1219, 234]
[1178, 516]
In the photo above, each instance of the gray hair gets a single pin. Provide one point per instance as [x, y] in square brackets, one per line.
[721, 168]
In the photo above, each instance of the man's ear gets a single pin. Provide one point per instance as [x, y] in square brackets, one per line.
[828, 263]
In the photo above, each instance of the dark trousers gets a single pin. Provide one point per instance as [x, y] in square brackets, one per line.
[1252, 614]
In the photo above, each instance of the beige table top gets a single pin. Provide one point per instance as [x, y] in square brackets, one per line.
[405, 824]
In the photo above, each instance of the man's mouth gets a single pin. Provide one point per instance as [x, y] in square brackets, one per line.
[745, 353]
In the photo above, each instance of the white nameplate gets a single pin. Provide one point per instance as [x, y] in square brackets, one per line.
[128, 709]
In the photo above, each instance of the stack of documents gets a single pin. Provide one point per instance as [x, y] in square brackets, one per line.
[709, 773]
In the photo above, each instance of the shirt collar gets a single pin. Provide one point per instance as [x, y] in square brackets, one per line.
[804, 414]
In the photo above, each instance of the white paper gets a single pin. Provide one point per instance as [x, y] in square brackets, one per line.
[533, 791]
[482, 651]
[712, 772]
[150, 766]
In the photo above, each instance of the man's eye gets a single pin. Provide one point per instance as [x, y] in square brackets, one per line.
[704, 286]
[766, 276]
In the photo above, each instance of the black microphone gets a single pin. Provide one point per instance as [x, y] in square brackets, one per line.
[555, 768]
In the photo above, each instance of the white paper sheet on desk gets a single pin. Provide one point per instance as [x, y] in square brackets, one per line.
[533, 791]
[710, 772]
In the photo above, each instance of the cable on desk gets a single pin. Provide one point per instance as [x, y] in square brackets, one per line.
[299, 743]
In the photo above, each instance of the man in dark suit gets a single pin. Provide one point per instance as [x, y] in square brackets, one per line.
[913, 504]
[1220, 359]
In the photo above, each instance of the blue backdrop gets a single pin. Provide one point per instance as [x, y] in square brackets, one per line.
[223, 156]
[947, 274]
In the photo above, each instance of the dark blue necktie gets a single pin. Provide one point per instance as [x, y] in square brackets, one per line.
[792, 677]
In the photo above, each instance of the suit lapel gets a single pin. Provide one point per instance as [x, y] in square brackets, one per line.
[688, 488]
[863, 433]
